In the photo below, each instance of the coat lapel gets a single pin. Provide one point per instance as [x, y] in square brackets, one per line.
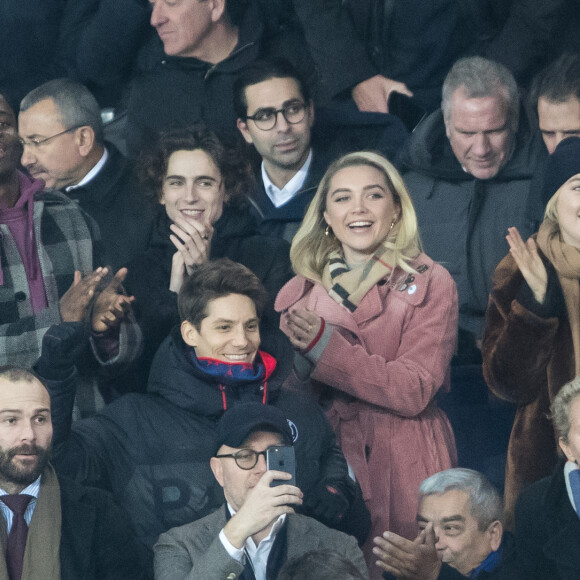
[562, 547]
[76, 546]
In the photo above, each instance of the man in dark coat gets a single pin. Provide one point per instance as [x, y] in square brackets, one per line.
[370, 48]
[547, 512]
[71, 532]
[62, 132]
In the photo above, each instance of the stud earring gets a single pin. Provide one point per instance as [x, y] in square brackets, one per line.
[392, 224]
[327, 231]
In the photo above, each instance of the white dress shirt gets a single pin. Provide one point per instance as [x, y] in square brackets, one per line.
[33, 490]
[92, 173]
[258, 555]
[281, 196]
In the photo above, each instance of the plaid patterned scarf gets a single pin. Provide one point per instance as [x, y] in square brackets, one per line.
[348, 287]
[566, 261]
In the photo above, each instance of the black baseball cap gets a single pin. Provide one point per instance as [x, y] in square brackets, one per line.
[239, 422]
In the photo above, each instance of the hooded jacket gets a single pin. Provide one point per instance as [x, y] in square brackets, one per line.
[463, 220]
[152, 450]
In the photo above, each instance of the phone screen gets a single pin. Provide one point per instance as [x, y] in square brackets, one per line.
[282, 458]
[407, 109]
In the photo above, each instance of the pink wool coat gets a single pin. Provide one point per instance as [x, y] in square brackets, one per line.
[381, 369]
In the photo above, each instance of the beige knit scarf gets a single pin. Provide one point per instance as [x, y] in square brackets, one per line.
[566, 261]
[42, 554]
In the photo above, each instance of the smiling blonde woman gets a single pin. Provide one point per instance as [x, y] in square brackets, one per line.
[374, 324]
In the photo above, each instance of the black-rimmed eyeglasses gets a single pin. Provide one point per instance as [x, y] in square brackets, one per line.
[266, 119]
[245, 458]
[35, 142]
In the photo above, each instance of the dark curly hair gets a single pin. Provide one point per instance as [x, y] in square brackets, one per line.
[231, 161]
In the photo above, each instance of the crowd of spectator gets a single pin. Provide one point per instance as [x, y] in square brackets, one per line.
[279, 280]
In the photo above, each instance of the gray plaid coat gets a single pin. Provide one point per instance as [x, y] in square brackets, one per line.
[64, 240]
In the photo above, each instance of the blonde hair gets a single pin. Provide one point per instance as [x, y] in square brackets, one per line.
[311, 247]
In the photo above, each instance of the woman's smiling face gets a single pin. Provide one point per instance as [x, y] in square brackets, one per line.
[360, 209]
[193, 187]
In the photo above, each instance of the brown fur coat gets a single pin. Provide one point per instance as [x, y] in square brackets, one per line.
[526, 360]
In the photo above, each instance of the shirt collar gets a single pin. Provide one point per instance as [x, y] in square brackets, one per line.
[92, 173]
[270, 537]
[489, 564]
[280, 196]
[33, 489]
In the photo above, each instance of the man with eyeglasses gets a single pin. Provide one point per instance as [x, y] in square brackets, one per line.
[275, 115]
[46, 242]
[257, 530]
[63, 144]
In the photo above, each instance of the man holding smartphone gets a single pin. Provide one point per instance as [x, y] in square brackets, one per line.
[257, 530]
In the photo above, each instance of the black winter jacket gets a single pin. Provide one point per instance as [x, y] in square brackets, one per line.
[547, 530]
[462, 220]
[152, 450]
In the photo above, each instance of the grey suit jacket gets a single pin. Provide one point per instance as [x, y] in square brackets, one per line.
[195, 552]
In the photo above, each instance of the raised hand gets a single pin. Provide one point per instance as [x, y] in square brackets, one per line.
[74, 302]
[529, 262]
[263, 506]
[301, 326]
[406, 559]
[111, 304]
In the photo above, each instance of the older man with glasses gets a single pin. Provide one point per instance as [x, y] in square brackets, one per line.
[63, 144]
[45, 242]
[257, 530]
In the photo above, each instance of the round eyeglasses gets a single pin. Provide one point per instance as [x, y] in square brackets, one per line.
[246, 458]
[266, 119]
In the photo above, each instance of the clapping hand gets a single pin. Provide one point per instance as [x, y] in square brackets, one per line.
[111, 304]
[529, 262]
[74, 302]
[192, 240]
[301, 327]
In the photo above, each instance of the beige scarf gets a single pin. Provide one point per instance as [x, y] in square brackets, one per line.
[42, 554]
[348, 287]
[566, 261]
